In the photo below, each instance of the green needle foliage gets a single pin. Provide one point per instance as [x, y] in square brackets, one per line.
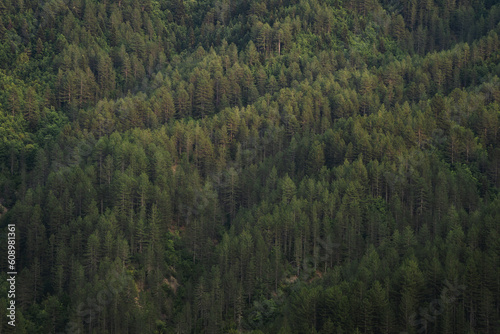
[251, 166]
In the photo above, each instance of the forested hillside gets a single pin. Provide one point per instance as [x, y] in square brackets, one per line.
[251, 166]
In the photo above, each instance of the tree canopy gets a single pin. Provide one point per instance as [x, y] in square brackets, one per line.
[249, 166]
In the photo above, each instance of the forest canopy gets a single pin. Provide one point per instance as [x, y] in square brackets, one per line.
[251, 166]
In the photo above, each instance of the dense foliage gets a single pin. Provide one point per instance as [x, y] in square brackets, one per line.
[250, 166]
